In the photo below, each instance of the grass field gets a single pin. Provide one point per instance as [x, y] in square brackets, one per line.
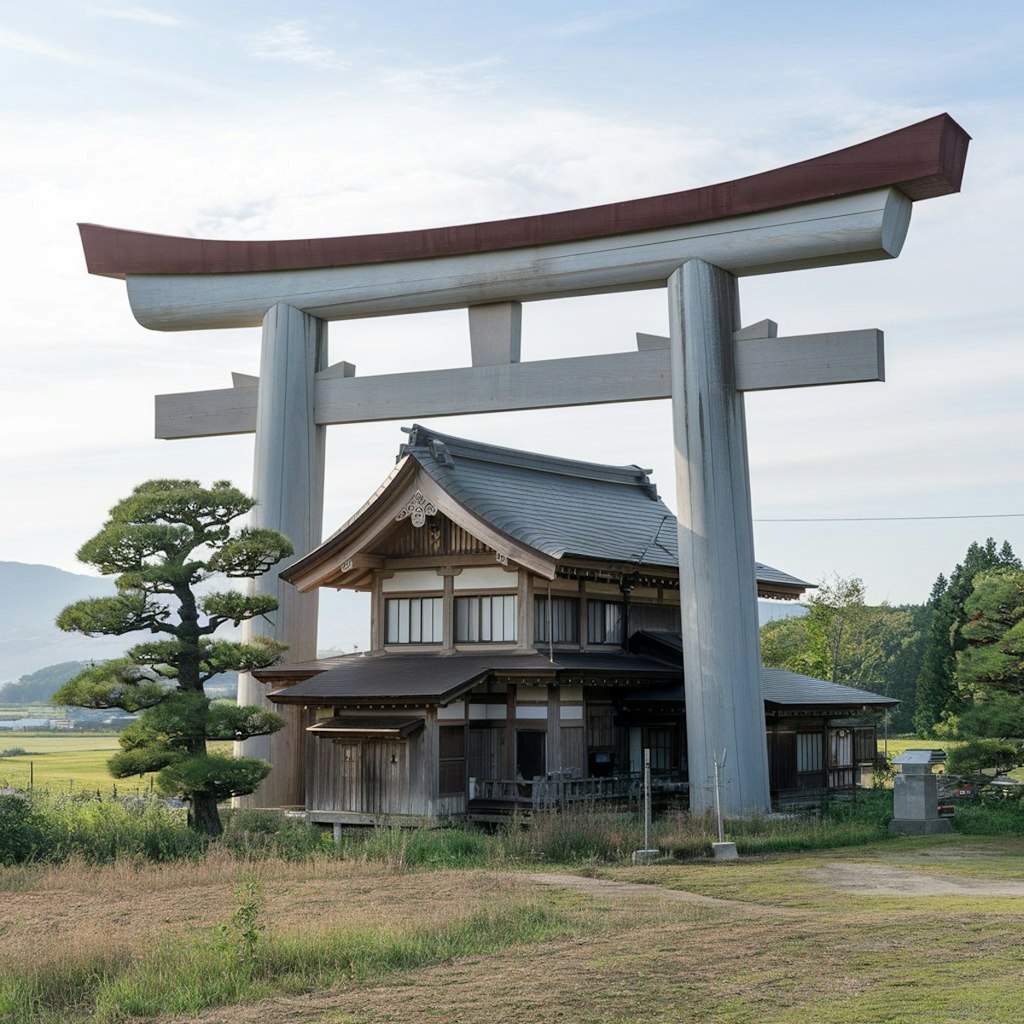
[897, 746]
[67, 762]
[824, 938]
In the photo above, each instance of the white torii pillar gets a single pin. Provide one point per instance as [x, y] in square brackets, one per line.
[717, 584]
[288, 484]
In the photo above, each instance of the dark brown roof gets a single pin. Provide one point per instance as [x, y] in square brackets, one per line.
[426, 678]
[439, 678]
[377, 727]
[782, 689]
[922, 160]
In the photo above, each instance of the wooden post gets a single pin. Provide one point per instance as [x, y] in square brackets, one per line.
[288, 483]
[718, 595]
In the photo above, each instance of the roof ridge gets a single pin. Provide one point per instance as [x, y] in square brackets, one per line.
[421, 437]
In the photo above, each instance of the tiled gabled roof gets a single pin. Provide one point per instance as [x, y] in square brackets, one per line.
[559, 507]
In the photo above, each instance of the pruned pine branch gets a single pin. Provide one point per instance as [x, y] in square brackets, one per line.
[228, 655]
[228, 722]
[114, 684]
[126, 612]
[250, 553]
[235, 607]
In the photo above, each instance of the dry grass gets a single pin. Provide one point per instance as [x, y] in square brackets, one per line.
[124, 906]
[772, 940]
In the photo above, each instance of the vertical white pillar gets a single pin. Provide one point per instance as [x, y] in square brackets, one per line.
[718, 589]
[288, 483]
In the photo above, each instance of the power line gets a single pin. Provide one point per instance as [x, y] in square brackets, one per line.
[888, 519]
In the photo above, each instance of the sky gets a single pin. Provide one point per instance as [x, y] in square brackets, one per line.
[261, 120]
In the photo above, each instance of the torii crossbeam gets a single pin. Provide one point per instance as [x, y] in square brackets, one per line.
[847, 207]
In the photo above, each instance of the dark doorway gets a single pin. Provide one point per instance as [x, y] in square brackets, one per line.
[529, 754]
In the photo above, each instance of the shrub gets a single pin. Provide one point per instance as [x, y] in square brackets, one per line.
[22, 831]
[574, 836]
[979, 755]
[103, 831]
[254, 835]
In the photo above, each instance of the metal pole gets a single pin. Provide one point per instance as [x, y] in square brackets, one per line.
[647, 798]
[718, 798]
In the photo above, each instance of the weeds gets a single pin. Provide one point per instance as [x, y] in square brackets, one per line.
[245, 926]
[186, 974]
[55, 829]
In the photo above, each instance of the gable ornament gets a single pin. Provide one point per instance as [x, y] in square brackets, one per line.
[417, 509]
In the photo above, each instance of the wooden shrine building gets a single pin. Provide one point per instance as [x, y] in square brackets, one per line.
[525, 647]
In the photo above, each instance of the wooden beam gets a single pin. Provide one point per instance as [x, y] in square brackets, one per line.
[841, 357]
[495, 333]
[807, 360]
[582, 380]
[848, 229]
[762, 329]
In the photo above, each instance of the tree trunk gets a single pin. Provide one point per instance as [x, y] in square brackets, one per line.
[203, 815]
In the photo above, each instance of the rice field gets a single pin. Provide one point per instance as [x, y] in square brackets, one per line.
[67, 763]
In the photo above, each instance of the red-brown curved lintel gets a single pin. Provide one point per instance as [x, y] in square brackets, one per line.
[922, 160]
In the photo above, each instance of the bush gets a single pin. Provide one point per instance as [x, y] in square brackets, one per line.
[22, 831]
[104, 831]
[991, 816]
[254, 835]
[979, 755]
[574, 836]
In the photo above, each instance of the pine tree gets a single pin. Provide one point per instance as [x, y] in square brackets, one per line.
[936, 692]
[160, 542]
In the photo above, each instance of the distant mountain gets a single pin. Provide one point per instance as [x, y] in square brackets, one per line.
[30, 598]
[39, 686]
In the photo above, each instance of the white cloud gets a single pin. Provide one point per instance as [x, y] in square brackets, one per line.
[292, 41]
[140, 14]
[104, 65]
[598, 21]
[475, 76]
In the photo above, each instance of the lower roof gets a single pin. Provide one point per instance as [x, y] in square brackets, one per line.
[435, 678]
[379, 727]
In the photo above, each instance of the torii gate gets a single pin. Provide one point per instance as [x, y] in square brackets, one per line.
[847, 207]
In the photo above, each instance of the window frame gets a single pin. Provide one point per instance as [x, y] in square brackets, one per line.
[480, 597]
[603, 638]
[437, 619]
[540, 619]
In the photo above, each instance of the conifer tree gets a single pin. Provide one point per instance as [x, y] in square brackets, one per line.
[936, 691]
[160, 542]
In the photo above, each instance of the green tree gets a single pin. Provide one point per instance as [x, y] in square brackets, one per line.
[937, 694]
[990, 667]
[849, 642]
[160, 542]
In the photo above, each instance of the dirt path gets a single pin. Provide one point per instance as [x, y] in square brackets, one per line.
[621, 892]
[883, 880]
